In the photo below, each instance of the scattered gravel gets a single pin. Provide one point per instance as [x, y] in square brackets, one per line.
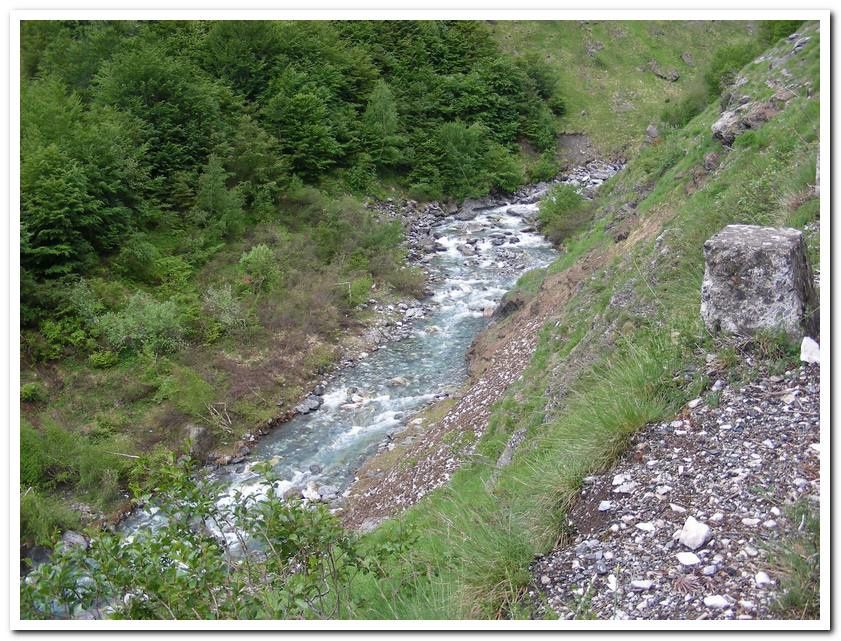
[713, 485]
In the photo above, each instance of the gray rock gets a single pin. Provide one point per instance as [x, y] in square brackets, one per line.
[687, 558]
[652, 132]
[315, 468]
[74, 540]
[758, 278]
[293, 493]
[642, 584]
[309, 404]
[671, 75]
[733, 123]
[694, 533]
[200, 441]
[328, 492]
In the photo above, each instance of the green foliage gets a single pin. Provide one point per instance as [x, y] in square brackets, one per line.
[33, 393]
[359, 290]
[381, 126]
[104, 359]
[224, 307]
[217, 208]
[180, 571]
[563, 211]
[725, 63]
[772, 30]
[259, 265]
[797, 561]
[43, 517]
[144, 324]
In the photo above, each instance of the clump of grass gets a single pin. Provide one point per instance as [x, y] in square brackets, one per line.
[797, 561]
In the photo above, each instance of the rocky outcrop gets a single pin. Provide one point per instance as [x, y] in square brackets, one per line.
[671, 75]
[750, 115]
[758, 278]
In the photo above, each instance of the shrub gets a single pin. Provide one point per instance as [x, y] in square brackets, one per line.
[33, 393]
[103, 359]
[144, 324]
[772, 30]
[725, 63]
[43, 517]
[680, 113]
[136, 259]
[222, 304]
[563, 211]
[545, 168]
[359, 290]
[260, 267]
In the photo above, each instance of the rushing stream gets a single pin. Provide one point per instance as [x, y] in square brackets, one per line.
[476, 257]
[477, 261]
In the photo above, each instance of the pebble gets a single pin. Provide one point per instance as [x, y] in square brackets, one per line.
[693, 403]
[694, 533]
[762, 578]
[642, 584]
[750, 522]
[716, 601]
[604, 506]
[646, 526]
[687, 558]
[709, 570]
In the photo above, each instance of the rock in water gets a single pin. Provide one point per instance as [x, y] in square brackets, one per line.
[694, 533]
[309, 404]
[810, 351]
[758, 278]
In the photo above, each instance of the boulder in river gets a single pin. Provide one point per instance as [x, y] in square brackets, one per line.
[309, 404]
[758, 278]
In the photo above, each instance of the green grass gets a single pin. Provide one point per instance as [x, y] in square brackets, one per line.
[796, 560]
[612, 96]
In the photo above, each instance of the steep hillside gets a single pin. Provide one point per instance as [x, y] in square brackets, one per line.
[620, 343]
[619, 76]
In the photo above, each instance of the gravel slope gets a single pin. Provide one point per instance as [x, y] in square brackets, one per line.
[733, 469]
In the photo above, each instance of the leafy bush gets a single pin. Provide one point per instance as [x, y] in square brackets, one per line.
[260, 267]
[103, 359]
[545, 168]
[144, 324]
[43, 517]
[772, 30]
[163, 564]
[679, 114]
[563, 211]
[222, 304]
[33, 393]
[726, 61]
[136, 259]
[359, 290]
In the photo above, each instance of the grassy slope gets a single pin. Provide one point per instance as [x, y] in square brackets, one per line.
[476, 537]
[612, 96]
